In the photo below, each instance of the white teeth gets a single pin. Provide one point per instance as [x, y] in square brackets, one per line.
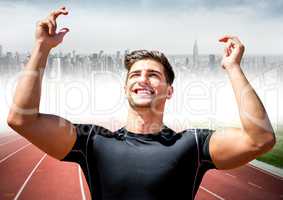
[143, 92]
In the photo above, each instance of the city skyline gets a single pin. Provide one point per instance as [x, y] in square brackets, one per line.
[72, 63]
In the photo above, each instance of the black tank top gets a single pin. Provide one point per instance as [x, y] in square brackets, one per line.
[131, 166]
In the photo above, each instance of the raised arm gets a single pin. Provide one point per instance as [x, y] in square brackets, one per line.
[50, 133]
[232, 147]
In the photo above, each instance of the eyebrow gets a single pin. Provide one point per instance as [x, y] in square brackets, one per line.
[150, 70]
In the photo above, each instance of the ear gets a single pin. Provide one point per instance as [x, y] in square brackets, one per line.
[169, 92]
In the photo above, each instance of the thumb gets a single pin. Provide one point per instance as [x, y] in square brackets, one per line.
[60, 35]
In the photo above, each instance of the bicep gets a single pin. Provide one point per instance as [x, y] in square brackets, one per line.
[230, 148]
[50, 133]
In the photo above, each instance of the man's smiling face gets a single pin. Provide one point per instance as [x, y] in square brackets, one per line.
[146, 85]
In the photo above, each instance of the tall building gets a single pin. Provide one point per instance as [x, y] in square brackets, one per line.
[264, 61]
[195, 55]
[1, 51]
[118, 55]
[126, 52]
[187, 62]
[118, 60]
[9, 57]
[211, 61]
[100, 54]
[55, 70]
[17, 58]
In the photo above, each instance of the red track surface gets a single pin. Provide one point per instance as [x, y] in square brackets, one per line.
[28, 173]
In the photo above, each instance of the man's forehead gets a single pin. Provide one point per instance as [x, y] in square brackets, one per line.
[148, 65]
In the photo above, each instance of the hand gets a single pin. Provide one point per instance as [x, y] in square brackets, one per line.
[233, 52]
[46, 30]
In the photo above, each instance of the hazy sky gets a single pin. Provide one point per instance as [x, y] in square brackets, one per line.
[167, 25]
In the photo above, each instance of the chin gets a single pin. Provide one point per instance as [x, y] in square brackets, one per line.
[141, 104]
[136, 102]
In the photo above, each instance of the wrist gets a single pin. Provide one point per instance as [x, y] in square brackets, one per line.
[235, 72]
[40, 46]
[233, 67]
[38, 57]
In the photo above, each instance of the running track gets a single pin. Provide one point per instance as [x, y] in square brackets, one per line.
[28, 173]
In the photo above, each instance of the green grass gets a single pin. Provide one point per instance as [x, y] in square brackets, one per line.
[275, 156]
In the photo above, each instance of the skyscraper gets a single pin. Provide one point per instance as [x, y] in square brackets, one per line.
[127, 51]
[195, 55]
[1, 51]
[118, 60]
[211, 61]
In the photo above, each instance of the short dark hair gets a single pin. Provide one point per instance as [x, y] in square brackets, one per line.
[157, 56]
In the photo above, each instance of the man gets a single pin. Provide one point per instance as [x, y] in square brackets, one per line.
[145, 159]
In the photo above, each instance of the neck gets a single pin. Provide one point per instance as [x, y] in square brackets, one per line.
[143, 120]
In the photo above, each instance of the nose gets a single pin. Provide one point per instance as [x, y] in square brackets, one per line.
[143, 78]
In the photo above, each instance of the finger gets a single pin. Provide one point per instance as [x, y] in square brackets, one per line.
[60, 35]
[54, 25]
[229, 46]
[236, 40]
[50, 28]
[64, 30]
[225, 38]
[56, 13]
[46, 24]
[226, 53]
[52, 20]
[238, 43]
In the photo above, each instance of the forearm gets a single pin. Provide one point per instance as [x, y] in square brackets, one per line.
[26, 100]
[253, 115]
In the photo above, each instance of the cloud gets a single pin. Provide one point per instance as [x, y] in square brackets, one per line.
[261, 7]
[111, 25]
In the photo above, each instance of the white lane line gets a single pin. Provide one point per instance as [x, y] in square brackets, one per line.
[81, 183]
[10, 141]
[6, 136]
[212, 193]
[255, 185]
[230, 175]
[265, 172]
[26, 181]
[11, 154]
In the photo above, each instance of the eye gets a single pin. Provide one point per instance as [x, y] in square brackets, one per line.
[134, 75]
[154, 75]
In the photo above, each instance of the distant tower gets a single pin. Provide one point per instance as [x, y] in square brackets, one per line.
[187, 62]
[55, 70]
[127, 51]
[264, 61]
[118, 60]
[118, 57]
[1, 51]
[195, 55]
[118, 54]
[211, 61]
[100, 54]
[58, 66]
[17, 58]
[9, 57]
